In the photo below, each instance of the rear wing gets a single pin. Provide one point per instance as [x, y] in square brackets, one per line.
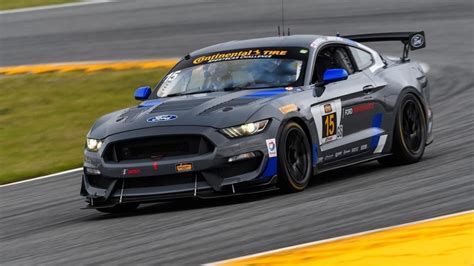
[411, 40]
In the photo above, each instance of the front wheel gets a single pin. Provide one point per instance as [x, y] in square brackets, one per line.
[409, 138]
[294, 159]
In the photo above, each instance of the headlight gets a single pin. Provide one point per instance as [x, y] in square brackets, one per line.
[245, 129]
[93, 144]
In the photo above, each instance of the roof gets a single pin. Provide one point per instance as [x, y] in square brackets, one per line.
[277, 41]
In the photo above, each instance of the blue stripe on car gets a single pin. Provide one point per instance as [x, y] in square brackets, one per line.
[271, 168]
[150, 103]
[376, 123]
[315, 154]
[266, 93]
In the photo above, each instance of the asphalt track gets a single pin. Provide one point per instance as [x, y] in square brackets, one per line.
[41, 221]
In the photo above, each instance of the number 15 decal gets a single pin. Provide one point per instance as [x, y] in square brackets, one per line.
[327, 117]
[329, 125]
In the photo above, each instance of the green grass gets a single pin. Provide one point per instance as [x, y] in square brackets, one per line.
[13, 4]
[44, 118]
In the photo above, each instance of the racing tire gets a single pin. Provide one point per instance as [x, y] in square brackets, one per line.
[294, 159]
[409, 137]
[120, 208]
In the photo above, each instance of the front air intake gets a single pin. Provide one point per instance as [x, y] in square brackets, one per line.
[157, 147]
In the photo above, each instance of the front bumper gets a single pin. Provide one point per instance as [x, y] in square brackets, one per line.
[108, 183]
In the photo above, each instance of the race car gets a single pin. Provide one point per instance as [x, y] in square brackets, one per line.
[257, 115]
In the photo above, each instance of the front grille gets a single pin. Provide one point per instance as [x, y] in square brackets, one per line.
[157, 147]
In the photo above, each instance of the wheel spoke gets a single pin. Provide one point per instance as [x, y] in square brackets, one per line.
[296, 155]
[411, 126]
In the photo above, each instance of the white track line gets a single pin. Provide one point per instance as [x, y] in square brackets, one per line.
[336, 238]
[29, 9]
[43, 177]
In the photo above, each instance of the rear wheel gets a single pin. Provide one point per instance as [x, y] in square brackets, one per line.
[294, 159]
[409, 136]
[120, 208]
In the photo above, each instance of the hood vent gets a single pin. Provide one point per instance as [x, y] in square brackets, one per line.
[229, 104]
[130, 114]
[179, 105]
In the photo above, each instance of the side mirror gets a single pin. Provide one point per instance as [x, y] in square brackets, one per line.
[142, 93]
[335, 74]
[330, 75]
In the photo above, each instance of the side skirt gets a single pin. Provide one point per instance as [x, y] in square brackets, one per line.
[342, 165]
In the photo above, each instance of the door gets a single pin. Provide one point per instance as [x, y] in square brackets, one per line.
[344, 112]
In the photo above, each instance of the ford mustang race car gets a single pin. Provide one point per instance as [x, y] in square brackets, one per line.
[257, 115]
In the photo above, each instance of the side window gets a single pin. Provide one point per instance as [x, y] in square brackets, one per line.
[331, 57]
[362, 58]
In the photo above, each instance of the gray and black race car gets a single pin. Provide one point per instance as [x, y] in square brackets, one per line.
[257, 115]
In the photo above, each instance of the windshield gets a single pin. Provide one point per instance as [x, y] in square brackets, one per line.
[234, 70]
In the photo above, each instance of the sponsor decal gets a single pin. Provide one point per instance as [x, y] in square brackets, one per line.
[320, 40]
[184, 167]
[329, 157]
[346, 151]
[165, 87]
[327, 108]
[271, 147]
[327, 117]
[159, 118]
[288, 108]
[363, 107]
[356, 149]
[363, 147]
[359, 108]
[134, 171]
[155, 166]
[303, 51]
[337, 154]
[317, 42]
[340, 131]
[243, 54]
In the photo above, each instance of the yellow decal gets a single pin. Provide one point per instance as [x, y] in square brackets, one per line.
[183, 167]
[329, 125]
[288, 108]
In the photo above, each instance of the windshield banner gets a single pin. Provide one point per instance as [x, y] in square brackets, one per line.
[242, 54]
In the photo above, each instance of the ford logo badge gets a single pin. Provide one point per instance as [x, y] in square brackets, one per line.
[159, 118]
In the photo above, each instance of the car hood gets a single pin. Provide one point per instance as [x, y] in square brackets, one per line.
[218, 110]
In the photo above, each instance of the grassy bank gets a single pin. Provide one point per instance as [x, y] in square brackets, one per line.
[44, 118]
[14, 4]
